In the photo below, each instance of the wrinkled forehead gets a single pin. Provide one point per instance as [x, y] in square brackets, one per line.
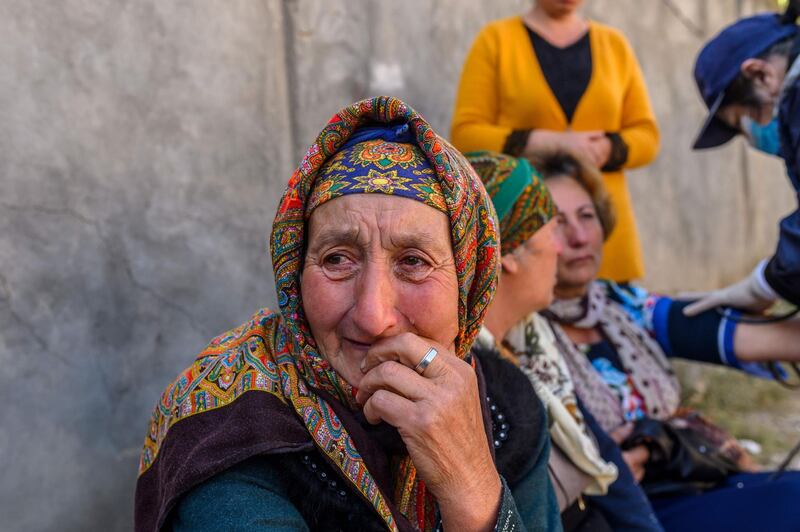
[364, 220]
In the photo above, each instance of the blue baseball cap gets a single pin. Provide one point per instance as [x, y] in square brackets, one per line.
[720, 61]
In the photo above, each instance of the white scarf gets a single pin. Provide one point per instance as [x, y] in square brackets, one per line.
[533, 345]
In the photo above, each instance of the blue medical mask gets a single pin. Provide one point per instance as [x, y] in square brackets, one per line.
[763, 138]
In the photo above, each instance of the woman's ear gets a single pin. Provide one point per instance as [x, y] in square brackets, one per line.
[509, 264]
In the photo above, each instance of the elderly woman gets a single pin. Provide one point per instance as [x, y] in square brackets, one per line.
[616, 342]
[525, 286]
[358, 406]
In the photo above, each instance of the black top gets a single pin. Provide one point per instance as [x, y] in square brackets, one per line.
[567, 70]
[604, 349]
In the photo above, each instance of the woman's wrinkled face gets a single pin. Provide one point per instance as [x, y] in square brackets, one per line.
[581, 235]
[559, 8]
[377, 266]
[536, 262]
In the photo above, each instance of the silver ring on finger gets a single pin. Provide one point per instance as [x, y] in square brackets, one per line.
[426, 360]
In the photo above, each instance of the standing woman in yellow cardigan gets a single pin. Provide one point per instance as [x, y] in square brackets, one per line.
[551, 79]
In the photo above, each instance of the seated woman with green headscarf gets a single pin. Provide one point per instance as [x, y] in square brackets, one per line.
[358, 406]
[530, 249]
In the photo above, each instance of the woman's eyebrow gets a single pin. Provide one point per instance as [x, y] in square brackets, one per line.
[417, 240]
[335, 236]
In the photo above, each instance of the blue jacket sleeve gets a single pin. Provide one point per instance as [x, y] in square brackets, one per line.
[783, 270]
[707, 337]
[247, 497]
[625, 506]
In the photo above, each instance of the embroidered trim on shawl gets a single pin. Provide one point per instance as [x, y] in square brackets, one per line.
[240, 361]
[234, 362]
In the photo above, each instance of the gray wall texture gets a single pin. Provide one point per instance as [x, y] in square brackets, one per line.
[143, 147]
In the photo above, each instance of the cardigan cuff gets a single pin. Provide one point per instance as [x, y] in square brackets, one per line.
[516, 142]
[619, 153]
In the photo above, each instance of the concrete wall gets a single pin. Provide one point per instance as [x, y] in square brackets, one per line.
[143, 146]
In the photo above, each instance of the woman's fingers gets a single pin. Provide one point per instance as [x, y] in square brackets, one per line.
[593, 134]
[408, 349]
[597, 156]
[586, 145]
[693, 295]
[395, 377]
[384, 405]
[577, 142]
[707, 302]
[391, 365]
[601, 148]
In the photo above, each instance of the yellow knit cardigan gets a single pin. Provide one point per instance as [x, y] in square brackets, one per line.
[503, 88]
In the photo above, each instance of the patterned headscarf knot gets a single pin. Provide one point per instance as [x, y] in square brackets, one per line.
[519, 195]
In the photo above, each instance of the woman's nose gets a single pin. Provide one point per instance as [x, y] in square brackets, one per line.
[374, 309]
[576, 235]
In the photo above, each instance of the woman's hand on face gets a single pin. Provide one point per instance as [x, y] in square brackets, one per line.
[636, 458]
[438, 415]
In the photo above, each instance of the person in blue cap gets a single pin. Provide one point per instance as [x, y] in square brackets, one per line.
[749, 77]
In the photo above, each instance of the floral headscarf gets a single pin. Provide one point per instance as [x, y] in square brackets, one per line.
[378, 160]
[524, 204]
[276, 353]
[472, 228]
[519, 195]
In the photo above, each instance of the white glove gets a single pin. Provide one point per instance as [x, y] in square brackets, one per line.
[751, 293]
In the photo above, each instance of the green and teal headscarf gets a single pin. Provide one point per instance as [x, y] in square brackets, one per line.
[520, 197]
